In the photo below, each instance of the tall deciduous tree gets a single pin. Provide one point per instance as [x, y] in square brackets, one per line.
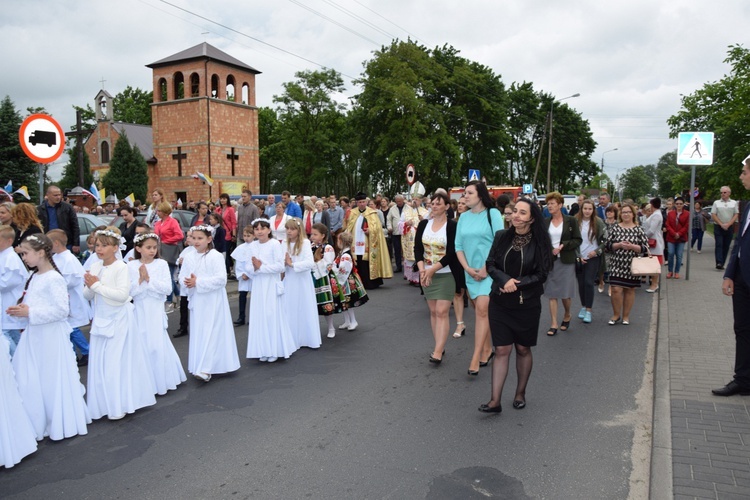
[128, 171]
[133, 105]
[270, 151]
[722, 107]
[310, 123]
[14, 164]
[638, 182]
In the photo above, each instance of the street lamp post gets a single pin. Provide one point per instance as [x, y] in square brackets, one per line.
[549, 149]
[604, 153]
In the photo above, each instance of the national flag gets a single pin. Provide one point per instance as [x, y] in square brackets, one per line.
[23, 191]
[9, 187]
[3, 192]
[94, 192]
[179, 202]
[205, 178]
[130, 199]
[102, 196]
[116, 201]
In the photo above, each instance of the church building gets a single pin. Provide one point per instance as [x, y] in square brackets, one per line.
[204, 121]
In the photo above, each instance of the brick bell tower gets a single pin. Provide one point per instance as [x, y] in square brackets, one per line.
[204, 120]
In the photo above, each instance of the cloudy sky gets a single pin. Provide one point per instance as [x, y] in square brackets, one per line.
[630, 61]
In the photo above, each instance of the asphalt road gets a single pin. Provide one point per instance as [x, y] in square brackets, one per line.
[366, 416]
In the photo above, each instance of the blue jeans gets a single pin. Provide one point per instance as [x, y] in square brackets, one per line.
[723, 241]
[697, 236]
[675, 253]
[13, 336]
[79, 341]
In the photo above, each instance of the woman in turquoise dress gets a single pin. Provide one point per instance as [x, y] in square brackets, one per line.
[474, 236]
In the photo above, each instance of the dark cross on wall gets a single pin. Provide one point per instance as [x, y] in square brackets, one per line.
[233, 157]
[179, 157]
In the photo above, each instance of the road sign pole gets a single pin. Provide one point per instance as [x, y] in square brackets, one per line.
[690, 224]
[40, 167]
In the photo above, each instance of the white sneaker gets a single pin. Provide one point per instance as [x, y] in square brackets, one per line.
[344, 326]
[272, 359]
[353, 326]
[331, 334]
[203, 376]
[263, 358]
[699, 251]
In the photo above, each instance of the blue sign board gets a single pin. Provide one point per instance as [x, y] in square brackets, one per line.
[528, 189]
[695, 148]
[474, 175]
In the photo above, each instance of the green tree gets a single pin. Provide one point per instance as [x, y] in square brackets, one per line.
[133, 105]
[14, 164]
[638, 182]
[271, 163]
[722, 107]
[70, 171]
[400, 120]
[310, 123]
[128, 171]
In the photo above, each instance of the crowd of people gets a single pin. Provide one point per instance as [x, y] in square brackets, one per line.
[317, 257]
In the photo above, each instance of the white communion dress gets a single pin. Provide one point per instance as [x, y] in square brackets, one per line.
[151, 323]
[45, 363]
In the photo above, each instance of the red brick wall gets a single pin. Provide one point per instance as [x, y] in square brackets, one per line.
[103, 132]
[188, 123]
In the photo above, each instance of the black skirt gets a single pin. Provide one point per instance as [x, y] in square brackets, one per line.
[514, 323]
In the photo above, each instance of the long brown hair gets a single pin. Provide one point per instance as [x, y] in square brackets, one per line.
[593, 226]
[24, 216]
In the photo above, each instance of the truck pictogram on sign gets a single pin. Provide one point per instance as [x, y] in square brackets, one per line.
[43, 137]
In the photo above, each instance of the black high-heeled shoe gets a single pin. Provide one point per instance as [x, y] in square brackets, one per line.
[436, 360]
[485, 363]
[491, 409]
[474, 373]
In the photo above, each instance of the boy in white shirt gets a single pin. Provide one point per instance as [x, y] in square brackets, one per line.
[80, 310]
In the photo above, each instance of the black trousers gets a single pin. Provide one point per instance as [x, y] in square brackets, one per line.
[184, 314]
[363, 267]
[398, 255]
[740, 301]
[243, 306]
[586, 279]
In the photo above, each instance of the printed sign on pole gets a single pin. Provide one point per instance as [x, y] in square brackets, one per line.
[42, 138]
[473, 175]
[528, 189]
[695, 148]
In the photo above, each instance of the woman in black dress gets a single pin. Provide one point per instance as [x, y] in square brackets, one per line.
[519, 262]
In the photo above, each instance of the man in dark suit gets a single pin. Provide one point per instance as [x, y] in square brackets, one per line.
[737, 285]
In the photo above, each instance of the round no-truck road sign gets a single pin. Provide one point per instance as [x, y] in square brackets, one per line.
[42, 138]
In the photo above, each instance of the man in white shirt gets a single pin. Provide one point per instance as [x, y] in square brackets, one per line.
[392, 221]
[724, 214]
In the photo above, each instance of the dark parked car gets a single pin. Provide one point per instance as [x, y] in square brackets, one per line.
[87, 223]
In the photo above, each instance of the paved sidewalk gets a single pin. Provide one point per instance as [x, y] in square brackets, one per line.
[710, 435]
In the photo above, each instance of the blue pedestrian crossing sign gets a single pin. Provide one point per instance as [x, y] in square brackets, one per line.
[528, 189]
[695, 148]
[474, 175]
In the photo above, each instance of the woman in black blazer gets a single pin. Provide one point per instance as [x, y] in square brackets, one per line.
[435, 254]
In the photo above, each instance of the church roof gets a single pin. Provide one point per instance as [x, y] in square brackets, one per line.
[200, 52]
[141, 136]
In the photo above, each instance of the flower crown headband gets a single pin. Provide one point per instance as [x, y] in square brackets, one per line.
[202, 227]
[111, 234]
[144, 236]
[258, 220]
